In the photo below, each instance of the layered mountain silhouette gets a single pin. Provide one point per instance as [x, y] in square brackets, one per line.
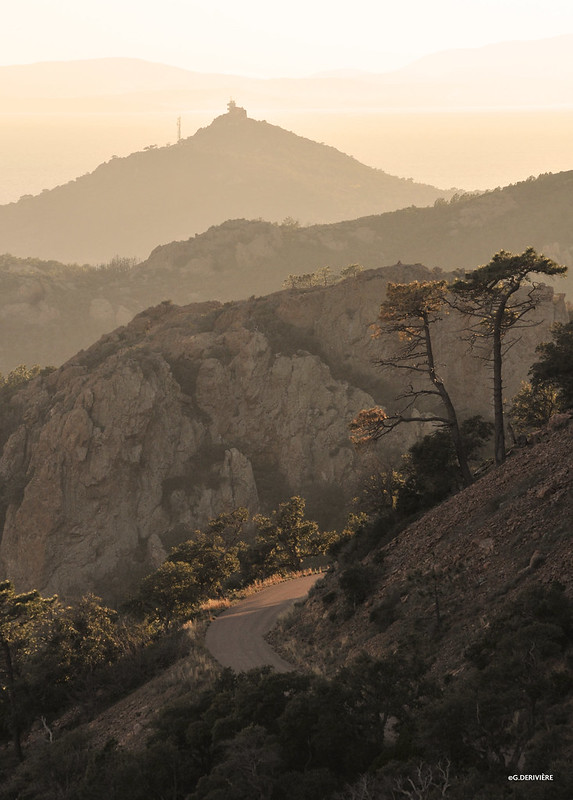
[529, 74]
[48, 310]
[462, 233]
[235, 167]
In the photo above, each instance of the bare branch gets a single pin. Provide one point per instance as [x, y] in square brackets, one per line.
[47, 729]
[415, 393]
[411, 367]
[411, 310]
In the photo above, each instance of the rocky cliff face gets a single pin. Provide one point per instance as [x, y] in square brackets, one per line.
[189, 411]
[159, 425]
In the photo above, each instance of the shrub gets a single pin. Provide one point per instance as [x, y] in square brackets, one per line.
[358, 583]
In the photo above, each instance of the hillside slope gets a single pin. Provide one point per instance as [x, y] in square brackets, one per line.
[479, 550]
[236, 167]
[408, 706]
[463, 233]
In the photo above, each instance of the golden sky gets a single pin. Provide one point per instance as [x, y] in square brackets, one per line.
[262, 38]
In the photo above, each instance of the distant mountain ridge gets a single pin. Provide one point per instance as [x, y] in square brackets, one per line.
[48, 310]
[235, 167]
[520, 59]
[528, 74]
[90, 78]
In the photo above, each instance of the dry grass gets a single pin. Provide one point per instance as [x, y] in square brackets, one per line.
[216, 606]
[272, 580]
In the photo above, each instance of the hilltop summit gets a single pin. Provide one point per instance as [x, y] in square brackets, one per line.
[235, 167]
[234, 111]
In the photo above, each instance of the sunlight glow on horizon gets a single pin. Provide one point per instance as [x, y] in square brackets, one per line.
[264, 40]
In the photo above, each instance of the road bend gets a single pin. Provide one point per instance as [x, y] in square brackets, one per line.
[236, 637]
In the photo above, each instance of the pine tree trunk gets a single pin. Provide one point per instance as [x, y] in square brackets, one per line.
[11, 690]
[499, 433]
[467, 476]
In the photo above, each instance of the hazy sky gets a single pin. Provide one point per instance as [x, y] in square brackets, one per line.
[263, 38]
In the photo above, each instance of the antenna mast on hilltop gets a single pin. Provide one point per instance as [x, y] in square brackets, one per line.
[178, 129]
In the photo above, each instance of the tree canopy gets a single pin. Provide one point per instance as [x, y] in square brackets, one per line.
[533, 406]
[497, 297]
[20, 621]
[286, 538]
[556, 364]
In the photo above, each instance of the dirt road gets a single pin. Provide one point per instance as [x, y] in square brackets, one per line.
[235, 638]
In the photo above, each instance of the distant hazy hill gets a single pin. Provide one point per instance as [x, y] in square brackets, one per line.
[99, 77]
[236, 167]
[539, 59]
[528, 74]
[49, 311]
[462, 233]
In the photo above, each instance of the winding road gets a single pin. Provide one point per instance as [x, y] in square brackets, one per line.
[235, 637]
